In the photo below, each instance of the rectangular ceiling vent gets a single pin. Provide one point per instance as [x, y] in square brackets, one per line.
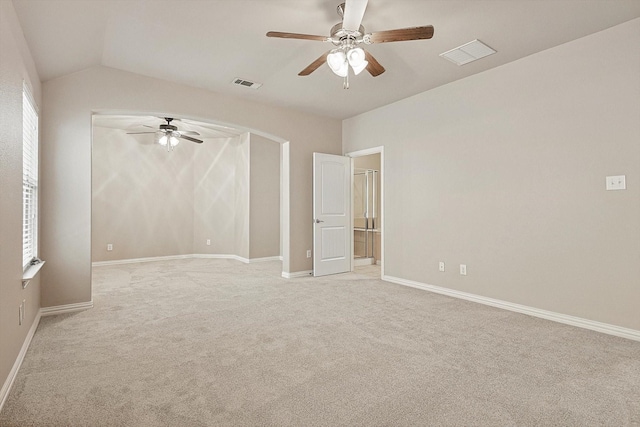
[246, 83]
[468, 52]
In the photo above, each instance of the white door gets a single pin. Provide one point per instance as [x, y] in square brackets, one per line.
[331, 214]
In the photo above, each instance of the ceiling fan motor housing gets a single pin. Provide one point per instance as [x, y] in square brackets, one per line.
[340, 34]
[168, 127]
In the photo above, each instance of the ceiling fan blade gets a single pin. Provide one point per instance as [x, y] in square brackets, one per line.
[151, 127]
[373, 67]
[413, 33]
[188, 138]
[353, 13]
[314, 65]
[296, 36]
[136, 133]
[188, 132]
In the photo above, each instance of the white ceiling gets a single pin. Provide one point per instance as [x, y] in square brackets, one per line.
[207, 43]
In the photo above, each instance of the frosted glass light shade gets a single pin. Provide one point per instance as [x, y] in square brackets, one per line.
[356, 57]
[337, 61]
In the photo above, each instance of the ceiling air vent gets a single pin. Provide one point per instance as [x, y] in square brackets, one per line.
[246, 83]
[468, 52]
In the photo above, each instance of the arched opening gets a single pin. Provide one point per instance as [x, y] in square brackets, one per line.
[224, 198]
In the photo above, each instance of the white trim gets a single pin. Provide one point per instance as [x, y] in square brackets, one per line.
[66, 308]
[304, 273]
[6, 387]
[188, 256]
[265, 259]
[605, 328]
[136, 260]
[220, 256]
[358, 262]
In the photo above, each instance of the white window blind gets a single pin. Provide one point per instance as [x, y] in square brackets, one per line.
[29, 178]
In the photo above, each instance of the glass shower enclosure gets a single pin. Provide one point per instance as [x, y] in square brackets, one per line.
[366, 215]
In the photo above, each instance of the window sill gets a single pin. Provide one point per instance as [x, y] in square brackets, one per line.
[31, 272]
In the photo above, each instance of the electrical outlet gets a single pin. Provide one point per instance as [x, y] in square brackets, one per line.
[208, 242]
[308, 253]
[441, 266]
[616, 182]
[463, 269]
[109, 246]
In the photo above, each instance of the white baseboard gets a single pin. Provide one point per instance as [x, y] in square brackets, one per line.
[137, 260]
[606, 328]
[265, 259]
[293, 275]
[67, 308]
[220, 256]
[6, 387]
[359, 262]
[188, 256]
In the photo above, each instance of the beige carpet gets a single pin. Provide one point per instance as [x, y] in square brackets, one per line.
[219, 343]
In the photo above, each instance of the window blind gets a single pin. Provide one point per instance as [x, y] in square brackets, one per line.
[29, 178]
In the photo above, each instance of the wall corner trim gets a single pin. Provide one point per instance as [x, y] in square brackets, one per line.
[6, 387]
[605, 328]
[67, 308]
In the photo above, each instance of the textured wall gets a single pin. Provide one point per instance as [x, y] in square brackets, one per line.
[264, 188]
[16, 65]
[142, 197]
[66, 133]
[505, 172]
[214, 196]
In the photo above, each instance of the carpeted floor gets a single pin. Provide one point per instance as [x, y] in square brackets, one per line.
[219, 343]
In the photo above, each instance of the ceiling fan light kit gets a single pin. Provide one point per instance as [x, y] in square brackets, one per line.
[168, 140]
[347, 36]
[169, 136]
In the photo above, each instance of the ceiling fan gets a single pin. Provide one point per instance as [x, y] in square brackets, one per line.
[347, 35]
[168, 135]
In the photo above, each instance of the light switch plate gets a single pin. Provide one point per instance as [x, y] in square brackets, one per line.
[616, 182]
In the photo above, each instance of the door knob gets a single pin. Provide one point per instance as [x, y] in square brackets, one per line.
[318, 221]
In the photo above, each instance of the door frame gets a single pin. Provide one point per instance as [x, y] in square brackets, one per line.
[361, 153]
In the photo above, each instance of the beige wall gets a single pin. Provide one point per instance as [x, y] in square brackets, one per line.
[214, 196]
[66, 169]
[265, 198]
[148, 202]
[242, 196]
[16, 65]
[505, 172]
[143, 197]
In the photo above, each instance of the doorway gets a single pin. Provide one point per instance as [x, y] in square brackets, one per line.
[368, 211]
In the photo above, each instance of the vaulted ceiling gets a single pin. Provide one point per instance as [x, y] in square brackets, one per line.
[207, 43]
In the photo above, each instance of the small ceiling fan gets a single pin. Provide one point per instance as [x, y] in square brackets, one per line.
[168, 135]
[347, 35]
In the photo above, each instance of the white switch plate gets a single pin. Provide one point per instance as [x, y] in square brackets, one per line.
[208, 242]
[441, 266]
[309, 253]
[463, 269]
[109, 247]
[616, 182]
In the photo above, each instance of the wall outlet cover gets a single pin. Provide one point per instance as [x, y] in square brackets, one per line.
[616, 182]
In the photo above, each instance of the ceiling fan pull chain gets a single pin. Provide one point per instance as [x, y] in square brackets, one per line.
[345, 83]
